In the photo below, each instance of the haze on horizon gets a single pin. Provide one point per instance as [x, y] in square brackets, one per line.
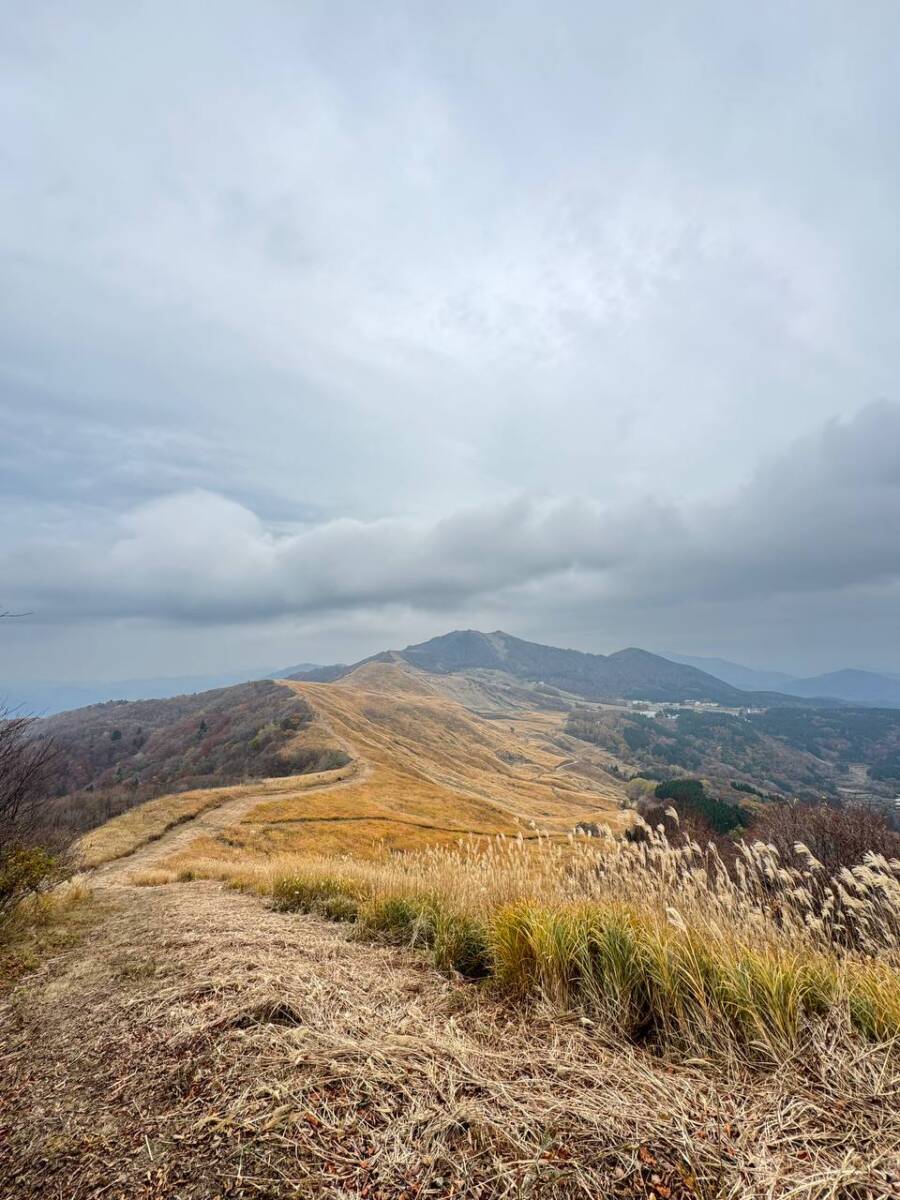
[331, 327]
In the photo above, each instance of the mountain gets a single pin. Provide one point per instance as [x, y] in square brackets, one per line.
[855, 687]
[44, 699]
[738, 676]
[630, 674]
[859, 687]
[290, 672]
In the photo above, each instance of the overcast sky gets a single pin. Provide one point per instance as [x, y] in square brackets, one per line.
[326, 327]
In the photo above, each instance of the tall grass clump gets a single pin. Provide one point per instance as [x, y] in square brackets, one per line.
[658, 942]
[328, 895]
[403, 915]
[645, 977]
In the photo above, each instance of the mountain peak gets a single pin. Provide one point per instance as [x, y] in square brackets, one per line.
[629, 674]
[460, 650]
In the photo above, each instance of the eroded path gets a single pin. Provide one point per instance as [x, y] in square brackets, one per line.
[175, 1053]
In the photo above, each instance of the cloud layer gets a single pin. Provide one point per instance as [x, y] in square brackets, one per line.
[820, 519]
[330, 317]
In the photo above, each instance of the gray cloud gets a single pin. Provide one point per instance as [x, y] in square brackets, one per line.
[339, 314]
[819, 519]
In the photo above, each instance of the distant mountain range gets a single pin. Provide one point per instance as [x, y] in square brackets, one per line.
[859, 687]
[630, 674]
[852, 686]
[290, 672]
[733, 673]
[44, 699]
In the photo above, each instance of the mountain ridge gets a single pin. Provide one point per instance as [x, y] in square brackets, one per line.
[628, 674]
[849, 684]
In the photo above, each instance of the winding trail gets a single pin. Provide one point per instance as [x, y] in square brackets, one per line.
[208, 823]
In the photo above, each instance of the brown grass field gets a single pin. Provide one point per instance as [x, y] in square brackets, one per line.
[425, 772]
[373, 1009]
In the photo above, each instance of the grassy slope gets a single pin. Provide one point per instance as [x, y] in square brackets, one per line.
[140, 827]
[432, 773]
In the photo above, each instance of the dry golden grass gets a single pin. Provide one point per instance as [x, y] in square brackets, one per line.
[212, 1047]
[151, 877]
[647, 937]
[148, 822]
[424, 772]
[433, 760]
[127, 832]
[651, 940]
[645, 1026]
[43, 925]
[361, 837]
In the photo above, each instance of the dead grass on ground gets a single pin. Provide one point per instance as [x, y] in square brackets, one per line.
[148, 822]
[213, 1048]
[44, 925]
[657, 942]
[361, 837]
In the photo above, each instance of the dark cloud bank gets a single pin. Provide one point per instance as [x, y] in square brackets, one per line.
[813, 529]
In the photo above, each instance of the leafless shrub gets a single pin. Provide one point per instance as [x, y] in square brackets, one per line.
[30, 862]
[836, 837]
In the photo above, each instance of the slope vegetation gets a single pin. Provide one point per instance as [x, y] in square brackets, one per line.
[110, 757]
[643, 1025]
[420, 770]
[202, 1046]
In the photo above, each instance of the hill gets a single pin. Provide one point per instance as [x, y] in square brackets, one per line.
[747, 678]
[110, 757]
[415, 768]
[630, 674]
[857, 687]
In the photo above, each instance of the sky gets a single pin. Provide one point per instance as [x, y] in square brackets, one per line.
[328, 327]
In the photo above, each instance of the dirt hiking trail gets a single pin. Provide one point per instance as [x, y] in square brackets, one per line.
[209, 823]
